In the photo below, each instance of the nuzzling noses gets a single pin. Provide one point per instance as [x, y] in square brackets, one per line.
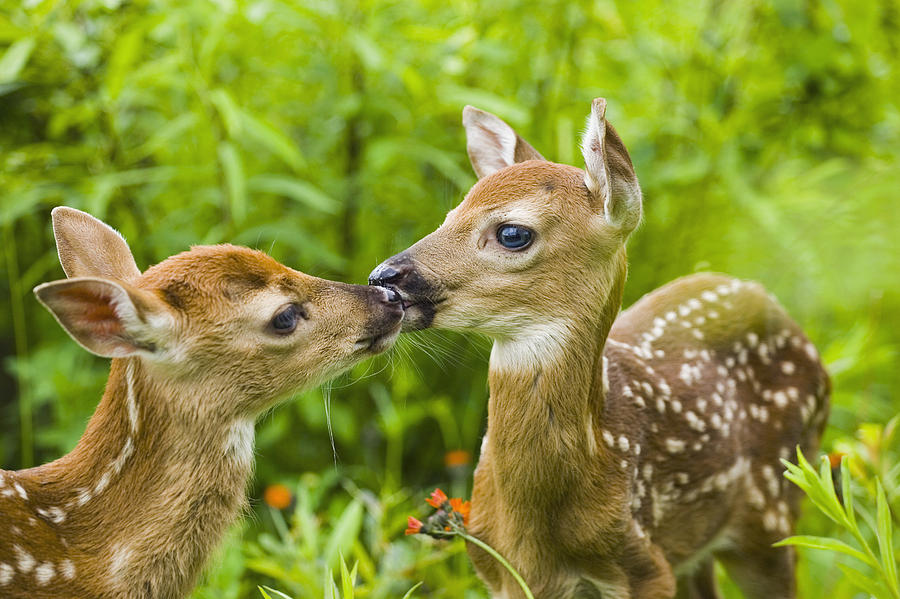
[419, 294]
[391, 272]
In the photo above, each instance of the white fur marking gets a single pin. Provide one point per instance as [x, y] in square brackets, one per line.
[44, 573]
[675, 445]
[239, 443]
[20, 491]
[24, 559]
[67, 569]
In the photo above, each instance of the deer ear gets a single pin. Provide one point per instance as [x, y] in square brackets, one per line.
[609, 174]
[107, 318]
[492, 144]
[88, 247]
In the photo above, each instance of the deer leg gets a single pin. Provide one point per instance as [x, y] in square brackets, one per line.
[699, 584]
[649, 573]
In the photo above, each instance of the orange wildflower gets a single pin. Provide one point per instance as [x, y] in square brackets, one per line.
[277, 496]
[834, 459]
[457, 457]
[462, 507]
[437, 499]
[413, 526]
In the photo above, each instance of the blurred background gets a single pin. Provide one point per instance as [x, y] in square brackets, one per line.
[765, 133]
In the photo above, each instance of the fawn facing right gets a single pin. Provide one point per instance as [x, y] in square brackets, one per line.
[620, 453]
[202, 343]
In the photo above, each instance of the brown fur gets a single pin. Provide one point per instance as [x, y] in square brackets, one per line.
[135, 509]
[590, 490]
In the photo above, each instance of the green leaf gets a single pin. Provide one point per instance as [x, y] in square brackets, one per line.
[15, 58]
[121, 62]
[347, 579]
[235, 180]
[413, 588]
[874, 588]
[847, 492]
[828, 543]
[300, 191]
[270, 593]
[345, 531]
[885, 534]
[457, 96]
[228, 110]
[272, 139]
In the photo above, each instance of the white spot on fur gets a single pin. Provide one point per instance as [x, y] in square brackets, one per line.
[102, 483]
[20, 491]
[623, 443]
[84, 495]
[675, 445]
[44, 573]
[609, 439]
[770, 521]
[67, 569]
[130, 399]
[239, 442]
[811, 351]
[787, 367]
[695, 422]
[780, 398]
[755, 497]
[676, 406]
[24, 559]
[605, 377]
[7, 573]
[119, 560]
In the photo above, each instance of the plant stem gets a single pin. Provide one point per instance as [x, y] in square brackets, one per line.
[500, 559]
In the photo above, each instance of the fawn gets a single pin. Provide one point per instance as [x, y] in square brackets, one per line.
[621, 454]
[201, 344]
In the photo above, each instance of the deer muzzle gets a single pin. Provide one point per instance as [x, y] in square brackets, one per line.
[420, 293]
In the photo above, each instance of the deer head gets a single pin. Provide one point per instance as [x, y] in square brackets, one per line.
[533, 246]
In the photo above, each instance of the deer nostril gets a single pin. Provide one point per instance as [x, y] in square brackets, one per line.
[384, 274]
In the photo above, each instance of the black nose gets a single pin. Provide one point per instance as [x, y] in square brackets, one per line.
[387, 274]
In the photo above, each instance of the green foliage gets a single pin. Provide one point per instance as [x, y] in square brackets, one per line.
[819, 487]
[766, 136]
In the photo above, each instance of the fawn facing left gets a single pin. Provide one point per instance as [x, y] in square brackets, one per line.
[201, 343]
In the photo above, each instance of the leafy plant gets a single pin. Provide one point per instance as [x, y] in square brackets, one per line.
[880, 577]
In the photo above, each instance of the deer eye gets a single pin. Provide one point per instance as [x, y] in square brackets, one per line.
[514, 237]
[285, 321]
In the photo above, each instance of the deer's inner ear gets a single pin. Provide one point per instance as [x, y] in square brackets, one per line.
[492, 144]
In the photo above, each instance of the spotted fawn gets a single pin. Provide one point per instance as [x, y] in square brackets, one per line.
[623, 452]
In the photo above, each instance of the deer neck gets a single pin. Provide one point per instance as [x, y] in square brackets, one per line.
[162, 488]
[547, 393]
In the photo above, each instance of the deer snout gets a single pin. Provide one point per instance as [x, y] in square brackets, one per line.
[390, 272]
[420, 294]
